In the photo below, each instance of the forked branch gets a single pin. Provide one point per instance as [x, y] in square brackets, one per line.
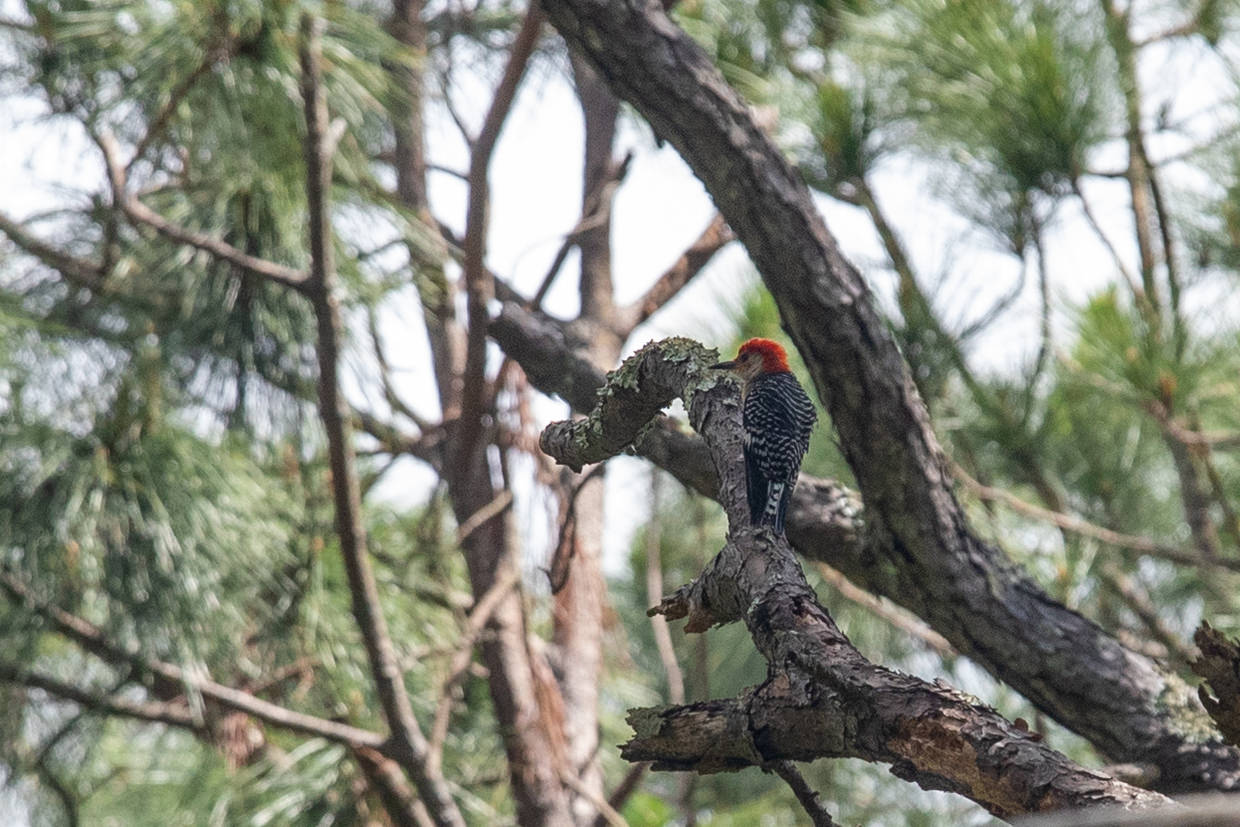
[824, 698]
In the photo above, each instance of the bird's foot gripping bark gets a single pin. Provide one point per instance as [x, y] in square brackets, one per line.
[824, 698]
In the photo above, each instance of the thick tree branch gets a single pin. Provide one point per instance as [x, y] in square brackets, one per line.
[408, 745]
[1219, 665]
[823, 697]
[825, 522]
[918, 536]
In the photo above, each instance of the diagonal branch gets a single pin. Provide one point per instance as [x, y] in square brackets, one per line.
[158, 712]
[478, 618]
[75, 270]
[920, 540]
[823, 697]
[805, 794]
[140, 213]
[93, 640]
[215, 54]
[1083, 527]
[692, 261]
[408, 744]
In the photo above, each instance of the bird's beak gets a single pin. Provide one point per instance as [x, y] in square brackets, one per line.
[724, 365]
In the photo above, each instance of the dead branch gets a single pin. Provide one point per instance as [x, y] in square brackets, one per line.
[479, 287]
[823, 697]
[1219, 665]
[692, 261]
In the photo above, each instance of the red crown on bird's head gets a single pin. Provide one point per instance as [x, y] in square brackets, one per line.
[774, 359]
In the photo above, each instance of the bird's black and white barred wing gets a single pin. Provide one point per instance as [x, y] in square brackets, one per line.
[778, 417]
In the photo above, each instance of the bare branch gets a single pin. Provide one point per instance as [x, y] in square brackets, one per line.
[823, 697]
[409, 745]
[903, 620]
[479, 287]
[494, 507]
[478, 618]
[1081, 526]
[607, 813]
[385, 374]
[76, 271]
[692, 261]
[173, 714]
[142, 214]
[654, 591]
[805, 794]
[625, 789]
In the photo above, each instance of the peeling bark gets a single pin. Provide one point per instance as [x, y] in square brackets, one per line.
[1219, 664]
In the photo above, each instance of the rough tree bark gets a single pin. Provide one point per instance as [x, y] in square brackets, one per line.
[919, 546]
[823, 698]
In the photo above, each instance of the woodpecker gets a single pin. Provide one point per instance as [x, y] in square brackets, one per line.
[777, 416]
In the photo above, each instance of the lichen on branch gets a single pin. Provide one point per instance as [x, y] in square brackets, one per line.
[633, 396]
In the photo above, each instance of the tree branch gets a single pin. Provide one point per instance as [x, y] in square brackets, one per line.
[1083, 527]
[158, 712]
[479, 287]
[826, 523]
[142, 214]
[805, 794]
[823, 697]
[214, 54]
[1219, 665]
[478, 618]
[79, 272]
[692, 261]
[408, 745]
[920, 544]
[93, 640]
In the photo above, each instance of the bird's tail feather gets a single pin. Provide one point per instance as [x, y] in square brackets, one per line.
[773, 514]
